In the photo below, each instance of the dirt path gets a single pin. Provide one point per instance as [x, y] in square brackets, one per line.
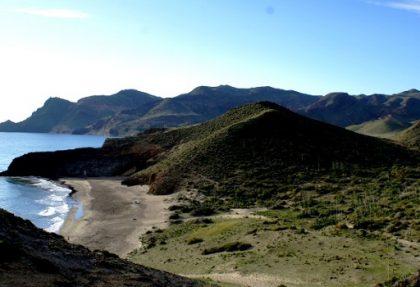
[251, 280]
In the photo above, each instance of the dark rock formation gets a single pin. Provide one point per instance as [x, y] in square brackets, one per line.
[116, 158]
[32, 257]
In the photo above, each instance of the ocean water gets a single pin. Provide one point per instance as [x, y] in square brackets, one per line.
[44, 202]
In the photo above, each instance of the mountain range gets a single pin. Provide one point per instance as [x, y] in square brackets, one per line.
[129, 112]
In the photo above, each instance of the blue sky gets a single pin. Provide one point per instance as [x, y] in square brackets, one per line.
[77, 48]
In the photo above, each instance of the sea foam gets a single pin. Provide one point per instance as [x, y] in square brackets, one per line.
[55, 203]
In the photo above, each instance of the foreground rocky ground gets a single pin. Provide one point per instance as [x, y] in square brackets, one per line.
[32, 257]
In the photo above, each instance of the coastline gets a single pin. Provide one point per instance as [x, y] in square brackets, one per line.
[114, 216]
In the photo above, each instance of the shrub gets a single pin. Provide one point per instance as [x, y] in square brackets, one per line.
[203, 211]
[228, 247]
[322, 222]
[174, 216]
[194, 240]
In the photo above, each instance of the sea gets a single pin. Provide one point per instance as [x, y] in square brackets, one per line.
[44, 202]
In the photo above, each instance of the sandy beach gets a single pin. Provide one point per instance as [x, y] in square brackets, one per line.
[114, 215]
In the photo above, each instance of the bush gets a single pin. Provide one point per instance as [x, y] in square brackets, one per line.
[228, 247]
[322, 222]
[370, 224]
[203, 211]
[182, 208]
[174, 216]
[194, 241]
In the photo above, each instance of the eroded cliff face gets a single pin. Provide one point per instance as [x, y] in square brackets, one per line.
[117, 157]
[33, 257]
[77, 163]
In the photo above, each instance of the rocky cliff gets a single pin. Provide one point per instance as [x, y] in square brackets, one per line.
[32, 257]
[117, 157]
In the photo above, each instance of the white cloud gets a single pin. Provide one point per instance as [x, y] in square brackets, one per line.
[54, 13]
[413, 5]
[408, 5]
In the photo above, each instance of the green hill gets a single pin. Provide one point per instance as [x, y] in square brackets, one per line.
[317, 203]
[256, 150]
[385, 127]
[410, 137]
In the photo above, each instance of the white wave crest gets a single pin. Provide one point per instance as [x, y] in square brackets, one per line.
[48, 212]
[56, 224]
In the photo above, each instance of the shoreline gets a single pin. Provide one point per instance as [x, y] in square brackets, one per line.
[114, 216]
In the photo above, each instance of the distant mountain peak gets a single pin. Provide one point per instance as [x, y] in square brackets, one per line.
[130, 91]
[9, 122]
[337, 95]
[56, 99]
[411, 91]
[205, 89]
[225, 87]
[56, 102]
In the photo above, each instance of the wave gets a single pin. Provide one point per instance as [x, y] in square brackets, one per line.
[49, 185]
[47, 212]
[55, 203]
[56, 197]
[52, 210]
[55, 225]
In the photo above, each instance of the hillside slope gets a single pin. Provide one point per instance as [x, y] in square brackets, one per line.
[312, 202]
[385, 127]
[410, 137]
[344, 110]
[62, 116]
[258, 143]
[33, 257]
[44, 119]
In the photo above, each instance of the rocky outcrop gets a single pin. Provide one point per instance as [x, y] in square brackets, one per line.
[410, 281]
[62, 116]
[116, 158]
[33, 257]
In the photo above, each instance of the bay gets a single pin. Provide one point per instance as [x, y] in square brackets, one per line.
[44, 202]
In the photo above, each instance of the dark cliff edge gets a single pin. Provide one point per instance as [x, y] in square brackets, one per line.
[78, 162]
[117, 157]
[32, 257]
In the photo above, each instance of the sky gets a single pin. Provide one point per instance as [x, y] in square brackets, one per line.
[77, 48]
